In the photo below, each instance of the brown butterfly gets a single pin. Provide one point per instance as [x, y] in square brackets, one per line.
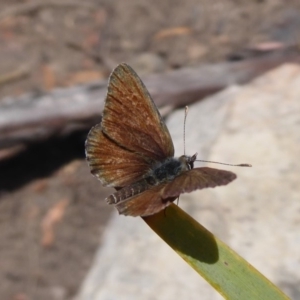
[132, 151]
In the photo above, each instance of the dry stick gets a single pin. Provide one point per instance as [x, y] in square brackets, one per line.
[15, 75]
[32, 118]
[97, 57]
[29, 7]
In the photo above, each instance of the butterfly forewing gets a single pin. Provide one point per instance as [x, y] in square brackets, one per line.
[131, 119]
[132, 136]
[196, 179]
[159, 197]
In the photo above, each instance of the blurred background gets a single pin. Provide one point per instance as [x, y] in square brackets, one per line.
[52, 213]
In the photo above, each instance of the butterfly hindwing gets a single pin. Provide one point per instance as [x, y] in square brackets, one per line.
[147, 203]
[112, 164]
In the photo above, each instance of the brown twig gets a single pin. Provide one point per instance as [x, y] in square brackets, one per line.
[15, 75]
[97, 57]
[29, 7]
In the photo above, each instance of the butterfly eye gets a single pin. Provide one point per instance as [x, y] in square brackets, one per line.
[190, 161]
[191, 165]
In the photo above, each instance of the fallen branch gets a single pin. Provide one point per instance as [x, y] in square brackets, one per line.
[32, 118]
[25, 8]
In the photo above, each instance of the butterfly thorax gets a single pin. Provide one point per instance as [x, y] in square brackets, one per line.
[167, 170]
[160, 173]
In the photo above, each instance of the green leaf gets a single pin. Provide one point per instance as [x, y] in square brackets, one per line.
[225, 270]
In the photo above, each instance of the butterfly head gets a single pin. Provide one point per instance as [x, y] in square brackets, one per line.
[188, 161]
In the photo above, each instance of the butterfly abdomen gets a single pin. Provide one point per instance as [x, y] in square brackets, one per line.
[160, 173]
[127, 192]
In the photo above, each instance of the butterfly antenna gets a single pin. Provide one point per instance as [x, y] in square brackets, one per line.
[209, 161]
[216, 162]
[185, 115]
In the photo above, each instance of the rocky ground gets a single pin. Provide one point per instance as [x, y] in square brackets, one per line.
[52, 210]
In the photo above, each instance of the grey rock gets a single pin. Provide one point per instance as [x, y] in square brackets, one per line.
[258, 215]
